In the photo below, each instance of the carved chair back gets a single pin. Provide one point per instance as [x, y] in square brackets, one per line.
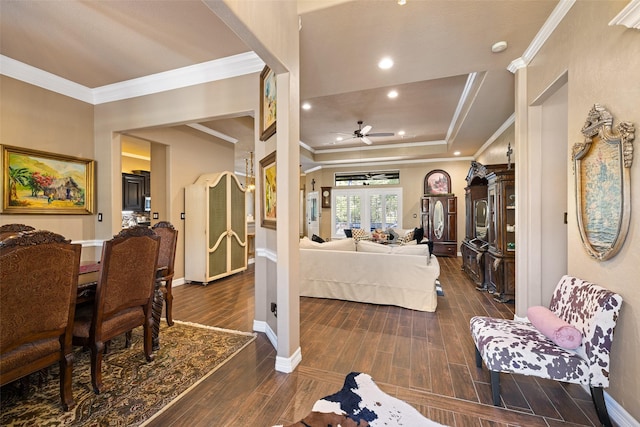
[38, 279]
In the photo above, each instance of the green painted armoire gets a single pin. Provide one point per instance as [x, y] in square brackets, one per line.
[215, 228]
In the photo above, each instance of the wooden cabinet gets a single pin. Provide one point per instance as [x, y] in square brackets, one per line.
[501, 198]
[215, 228]
[439, 221]
[475, 243]
[132, 192]
[146, 175]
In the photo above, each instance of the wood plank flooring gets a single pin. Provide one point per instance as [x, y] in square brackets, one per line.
[426, 359]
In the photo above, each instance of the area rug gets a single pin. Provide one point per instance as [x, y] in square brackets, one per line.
[361, 403]
[439, 290]
[134, 390]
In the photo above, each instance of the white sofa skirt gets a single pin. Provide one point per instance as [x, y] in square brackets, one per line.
[389, 279]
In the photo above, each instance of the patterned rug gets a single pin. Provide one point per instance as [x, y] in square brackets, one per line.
[134, 390]
[361, 403]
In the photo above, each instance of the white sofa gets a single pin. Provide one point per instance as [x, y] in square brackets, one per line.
[374, 273]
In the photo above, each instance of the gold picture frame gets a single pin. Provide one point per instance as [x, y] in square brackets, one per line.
[267, 103]
[38, 182]
[268, 191]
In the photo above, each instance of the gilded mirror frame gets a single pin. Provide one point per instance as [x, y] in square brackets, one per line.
[601, 167]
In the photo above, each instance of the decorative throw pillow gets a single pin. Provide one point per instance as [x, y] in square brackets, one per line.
[360, 234]
[407, 238]
[318, 239]
[554, 328]
[393, 236]
[307, 243]
[347, 232]
[418, 234]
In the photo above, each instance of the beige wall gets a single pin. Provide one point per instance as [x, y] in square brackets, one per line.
[602, 63]
[38, 119]
[496, 153]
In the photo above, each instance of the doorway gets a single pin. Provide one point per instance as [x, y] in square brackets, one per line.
[313, 214]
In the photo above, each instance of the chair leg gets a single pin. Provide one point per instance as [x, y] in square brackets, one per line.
[597, 395]
[168, 301]
[478, 358]
[96, 366]
[66, 368]
[127, 339]
[148, 338]
[495, 388]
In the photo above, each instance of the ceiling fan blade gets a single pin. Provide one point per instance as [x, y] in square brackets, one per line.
[366, 140]
[365, 130]
[382, 134]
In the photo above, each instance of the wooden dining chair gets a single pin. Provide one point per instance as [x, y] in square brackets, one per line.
[123, 296]
[38, 286]
[8, 230]
[166, 259]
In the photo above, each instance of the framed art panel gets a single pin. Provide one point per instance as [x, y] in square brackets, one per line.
[603, 183]
[437, 182]
[37, 182]
[268, 191]
[267, 103]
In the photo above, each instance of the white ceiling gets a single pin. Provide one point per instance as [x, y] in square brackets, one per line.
[454, 93]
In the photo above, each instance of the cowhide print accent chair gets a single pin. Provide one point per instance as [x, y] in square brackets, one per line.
[518, 347]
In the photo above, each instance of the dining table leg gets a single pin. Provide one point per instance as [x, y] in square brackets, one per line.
[156, 314]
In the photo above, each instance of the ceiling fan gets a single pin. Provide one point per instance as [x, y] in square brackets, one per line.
[363, 133]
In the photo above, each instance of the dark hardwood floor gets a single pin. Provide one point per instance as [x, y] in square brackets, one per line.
[426, 359]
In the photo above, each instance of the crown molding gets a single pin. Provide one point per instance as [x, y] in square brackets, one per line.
[36, 77]
[558, 14]
[212, 132]
[629, 16]
[218, 69]
[511, 120]
[379, 147]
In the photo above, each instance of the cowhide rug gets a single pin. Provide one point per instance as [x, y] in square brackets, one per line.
[361, 403]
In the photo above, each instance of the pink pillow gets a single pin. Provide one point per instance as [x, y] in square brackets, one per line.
[554, 328]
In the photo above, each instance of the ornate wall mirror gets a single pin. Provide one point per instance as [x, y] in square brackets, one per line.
[603, 183]
[481, 219]
[438, 219]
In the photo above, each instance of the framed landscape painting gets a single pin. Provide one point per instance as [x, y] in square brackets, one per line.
[37, 182]
[267, 103]
[268, 193]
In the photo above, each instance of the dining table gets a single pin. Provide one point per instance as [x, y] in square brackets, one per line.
[88, 276]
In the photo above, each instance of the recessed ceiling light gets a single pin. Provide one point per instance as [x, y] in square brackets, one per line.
[339, 139]
[306, 106]
[456, 153]
[401, 133]
[499, 46]
[402, 2]
[392, 94]
[385, 63]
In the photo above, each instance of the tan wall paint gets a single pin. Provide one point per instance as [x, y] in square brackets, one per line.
[38, 119]
[496, 153]
[602, 64]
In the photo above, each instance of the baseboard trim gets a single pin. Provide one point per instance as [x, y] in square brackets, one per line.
[616, 412]
[289, 364]
[262, 326]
